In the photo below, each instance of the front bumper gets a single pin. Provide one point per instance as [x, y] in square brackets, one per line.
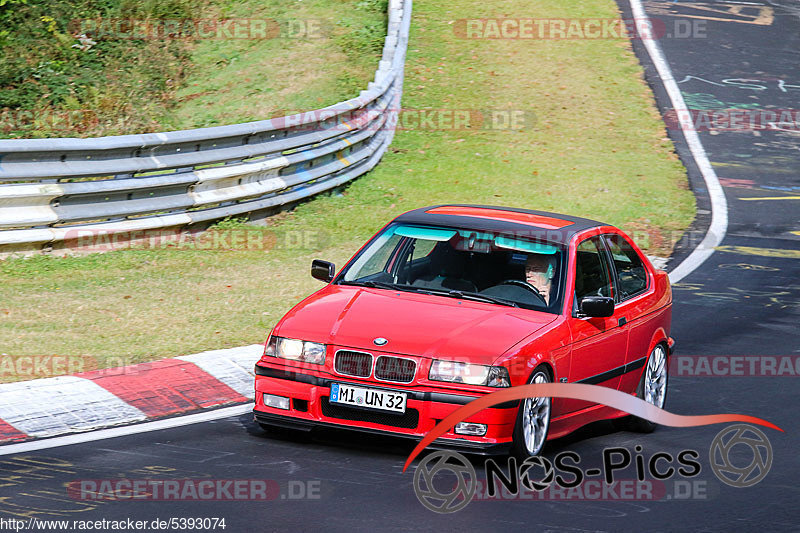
[309, 409]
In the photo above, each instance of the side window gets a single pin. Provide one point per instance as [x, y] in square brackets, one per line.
[415, 259]
[423, 248]
[591, 271]
[379, 261]
[630, 270]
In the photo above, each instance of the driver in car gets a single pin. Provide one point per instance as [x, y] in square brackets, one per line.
[539, 270]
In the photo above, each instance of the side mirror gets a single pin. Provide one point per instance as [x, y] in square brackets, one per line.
[322, 270]
[597, 306]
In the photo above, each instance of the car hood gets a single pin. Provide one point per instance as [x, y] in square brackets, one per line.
[413, 323]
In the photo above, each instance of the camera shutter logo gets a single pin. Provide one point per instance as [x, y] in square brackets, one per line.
[547, 477]
[459, 496]
[742, 435]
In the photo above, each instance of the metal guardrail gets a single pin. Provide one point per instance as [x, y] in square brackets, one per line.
[51, 189]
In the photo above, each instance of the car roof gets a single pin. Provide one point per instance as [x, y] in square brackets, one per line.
[542, 225]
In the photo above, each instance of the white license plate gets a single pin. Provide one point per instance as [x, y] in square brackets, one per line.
[383, 400]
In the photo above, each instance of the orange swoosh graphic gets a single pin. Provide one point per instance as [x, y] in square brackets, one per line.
[591, 393]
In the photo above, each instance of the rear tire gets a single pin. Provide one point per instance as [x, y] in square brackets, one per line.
[652, 387]
[533, 420]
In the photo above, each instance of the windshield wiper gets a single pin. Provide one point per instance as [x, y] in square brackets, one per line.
[472, 296]
[385, 285]
[428, 290]
[483, 298]
[371, 283]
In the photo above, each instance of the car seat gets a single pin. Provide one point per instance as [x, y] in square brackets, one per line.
[447, 269]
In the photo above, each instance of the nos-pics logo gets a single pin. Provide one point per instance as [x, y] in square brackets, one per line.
[450, 467]
[446, 482]
[759, 456]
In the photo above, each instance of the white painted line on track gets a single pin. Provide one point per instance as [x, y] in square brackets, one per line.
[56, 442]
[719, 205]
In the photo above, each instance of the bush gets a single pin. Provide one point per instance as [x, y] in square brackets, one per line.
[47, 67]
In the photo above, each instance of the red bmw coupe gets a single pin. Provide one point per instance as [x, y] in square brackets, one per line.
[451, 302]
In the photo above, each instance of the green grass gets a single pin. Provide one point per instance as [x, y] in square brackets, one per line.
[323, 56]
[326, 51]
[598, 149]
[51, 86]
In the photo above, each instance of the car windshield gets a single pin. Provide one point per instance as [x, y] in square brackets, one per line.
[497, 268]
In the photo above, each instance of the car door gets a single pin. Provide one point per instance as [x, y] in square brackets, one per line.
[633, 303]
[599, 345]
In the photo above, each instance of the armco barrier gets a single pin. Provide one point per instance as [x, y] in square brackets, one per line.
[54, 189]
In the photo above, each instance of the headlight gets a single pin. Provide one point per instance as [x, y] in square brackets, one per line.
[295, 350]
[471, 374]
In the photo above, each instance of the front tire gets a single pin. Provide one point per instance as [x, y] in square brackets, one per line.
[533, 420]
[652, 387]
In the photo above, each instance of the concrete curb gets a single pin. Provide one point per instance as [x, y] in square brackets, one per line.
[137, 393]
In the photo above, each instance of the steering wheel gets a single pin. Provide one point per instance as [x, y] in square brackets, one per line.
[525, 285]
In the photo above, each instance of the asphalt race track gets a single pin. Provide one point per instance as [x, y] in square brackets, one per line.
[743, 301]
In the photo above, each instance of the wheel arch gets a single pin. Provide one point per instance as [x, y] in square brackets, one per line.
[659, 337]
[547, 366]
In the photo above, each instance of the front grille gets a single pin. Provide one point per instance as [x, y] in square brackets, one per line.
[395, 369]
[408, 420]
[358, 364]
